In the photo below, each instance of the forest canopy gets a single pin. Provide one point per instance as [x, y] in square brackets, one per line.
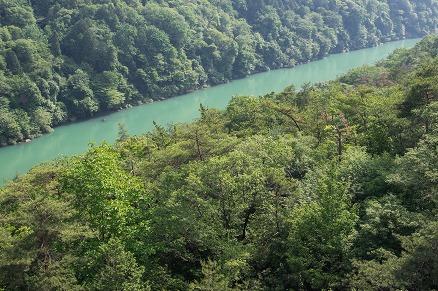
[333, 186]
[63, 60]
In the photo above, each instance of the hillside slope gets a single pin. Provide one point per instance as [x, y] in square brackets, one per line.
[332, 187]
[63, 60]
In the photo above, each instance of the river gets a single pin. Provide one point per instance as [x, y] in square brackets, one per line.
[74, 138]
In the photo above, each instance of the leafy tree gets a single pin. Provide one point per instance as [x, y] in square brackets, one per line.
[169, 21]
[42, 120]
[9, 128]
[87, 42]
[415, 175]
[39, 225]
[12, 62]
[16, 13]
[321, 237]
[107, 90]
[78, 95]
[117, 269]
[25, 93]
[105, 194]
[122, 136]
[213, 279]
[420, 251]
[423, 91]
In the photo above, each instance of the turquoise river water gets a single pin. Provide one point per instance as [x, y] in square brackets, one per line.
[74, 138]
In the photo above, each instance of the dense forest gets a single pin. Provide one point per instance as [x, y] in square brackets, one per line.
[63, 60]
[333, 187]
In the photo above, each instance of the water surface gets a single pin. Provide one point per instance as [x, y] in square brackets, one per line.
[74, 138]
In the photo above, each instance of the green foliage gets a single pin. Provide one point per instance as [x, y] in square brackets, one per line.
[132, 51]
[107, 89]
[117, 269]
[213, 279]
[420, 251]
[109, 195]
[415, 175]
[39, 227]
[331, 187]
[322, 232]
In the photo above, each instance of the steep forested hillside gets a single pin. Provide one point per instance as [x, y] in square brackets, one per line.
[332, 187]
[61, 60]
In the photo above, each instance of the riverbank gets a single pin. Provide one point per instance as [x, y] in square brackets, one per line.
[73, 138]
